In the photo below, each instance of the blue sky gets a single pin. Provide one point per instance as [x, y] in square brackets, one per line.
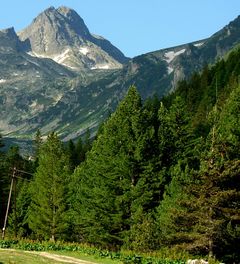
[134, 26]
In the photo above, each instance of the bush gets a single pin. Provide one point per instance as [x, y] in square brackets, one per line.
[126, 258]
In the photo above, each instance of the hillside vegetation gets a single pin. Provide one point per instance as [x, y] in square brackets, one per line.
[159, 175]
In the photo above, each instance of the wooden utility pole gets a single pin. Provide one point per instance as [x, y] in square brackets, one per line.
[13, 188]
[8, 204]
[15, 206]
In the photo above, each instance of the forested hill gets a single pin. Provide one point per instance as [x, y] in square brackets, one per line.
[159, 175]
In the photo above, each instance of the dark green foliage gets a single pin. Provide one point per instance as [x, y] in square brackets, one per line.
[22, 205]
[173, 225]
[117, 178]
[77, 152]
[228, 130]
[73, 157]
[79, 148]
[105, 179]
[201, 200]
[159, 174]
[200, 91]
[104, 254]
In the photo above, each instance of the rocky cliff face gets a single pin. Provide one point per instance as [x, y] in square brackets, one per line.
[61, 34]
[9, 41]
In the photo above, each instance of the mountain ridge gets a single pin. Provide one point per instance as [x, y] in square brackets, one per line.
[39, 92]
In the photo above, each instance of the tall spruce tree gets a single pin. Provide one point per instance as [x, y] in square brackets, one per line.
[117, 177]
[174, 228]
[47, 213]
[104, 181]
[179, 151]
[219, 193]
[149, 188]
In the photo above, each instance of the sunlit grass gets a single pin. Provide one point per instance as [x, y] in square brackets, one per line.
[86, 257]
[9, 256]
[20, 257]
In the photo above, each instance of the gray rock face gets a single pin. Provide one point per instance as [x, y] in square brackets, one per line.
[22, 78]
[61, 34]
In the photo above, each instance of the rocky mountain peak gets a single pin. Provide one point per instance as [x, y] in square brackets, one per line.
[49, 9]
[55, 29]
[61, 34]
[68, 12]
[76, 22]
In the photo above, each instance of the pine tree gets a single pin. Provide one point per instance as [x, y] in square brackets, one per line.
[179, 158]
[47, 214]
[148, 190]
[215, 190]
[217, 205]
[106, 181]
[174, 219]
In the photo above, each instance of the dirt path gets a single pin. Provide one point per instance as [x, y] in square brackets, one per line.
[55, 257]
[63, 258]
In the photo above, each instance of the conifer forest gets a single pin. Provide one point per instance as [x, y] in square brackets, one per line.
[159, 173]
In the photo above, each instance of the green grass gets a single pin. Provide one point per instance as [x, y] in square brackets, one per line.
[8, 256]
[96, 255]
[20, 257]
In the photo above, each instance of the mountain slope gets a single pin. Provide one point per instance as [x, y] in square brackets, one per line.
[158, 72]
[31, 83]
[40, 93]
